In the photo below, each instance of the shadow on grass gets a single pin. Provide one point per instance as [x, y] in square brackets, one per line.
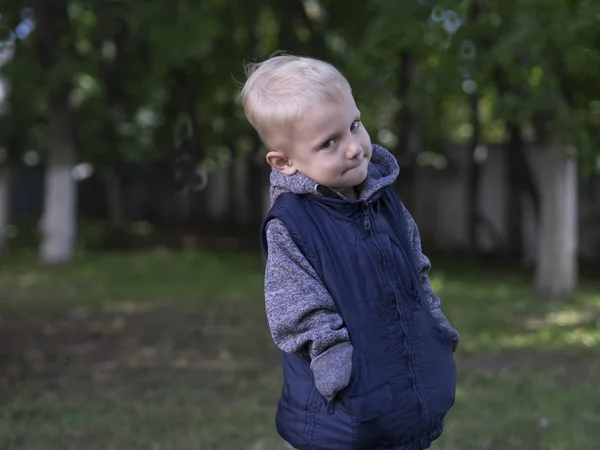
[172, 351]
[496, 311]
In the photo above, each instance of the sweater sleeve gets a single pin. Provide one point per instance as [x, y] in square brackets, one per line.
[424, 266]
[301, 314]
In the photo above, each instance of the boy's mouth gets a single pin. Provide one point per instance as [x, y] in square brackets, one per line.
[356, 166]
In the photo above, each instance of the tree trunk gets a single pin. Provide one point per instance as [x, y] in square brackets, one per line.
[58, 219]
[556, 269]
[409, 132]
[240, 181]
[515, 216]
[4, 205]
[217, 196]
[474, 176]
[60, 205]
[523, 192]
[258, 177]
[114, 197]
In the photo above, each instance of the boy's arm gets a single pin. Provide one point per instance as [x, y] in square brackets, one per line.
[302, 315]
[424, 266]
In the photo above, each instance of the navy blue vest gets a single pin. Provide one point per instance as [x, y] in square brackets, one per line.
[404, 374]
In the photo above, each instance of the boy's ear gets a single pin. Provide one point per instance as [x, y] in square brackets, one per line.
[280, 162]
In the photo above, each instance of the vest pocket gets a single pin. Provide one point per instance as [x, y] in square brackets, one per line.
[443, 334]
[377, 422]
[372, 404]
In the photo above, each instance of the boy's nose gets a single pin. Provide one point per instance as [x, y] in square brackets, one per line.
[353, 150]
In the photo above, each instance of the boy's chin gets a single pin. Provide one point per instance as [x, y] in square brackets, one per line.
[355, 177]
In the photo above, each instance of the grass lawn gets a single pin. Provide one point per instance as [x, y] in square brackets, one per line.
[160, 351]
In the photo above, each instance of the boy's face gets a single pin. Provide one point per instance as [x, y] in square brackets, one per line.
[329, 145]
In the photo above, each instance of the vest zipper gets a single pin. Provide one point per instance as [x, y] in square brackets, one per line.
[413, 291]
[367, 225]
[366, 220]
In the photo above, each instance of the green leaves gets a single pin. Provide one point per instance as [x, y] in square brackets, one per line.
[132, 59]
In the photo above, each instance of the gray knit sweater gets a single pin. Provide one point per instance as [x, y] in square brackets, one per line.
[301, 314]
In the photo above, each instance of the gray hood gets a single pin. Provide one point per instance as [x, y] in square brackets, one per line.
[383, 171]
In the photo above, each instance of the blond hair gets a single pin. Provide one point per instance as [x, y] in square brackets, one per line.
[284, 87]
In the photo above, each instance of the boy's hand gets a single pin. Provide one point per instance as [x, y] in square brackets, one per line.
[332, 369]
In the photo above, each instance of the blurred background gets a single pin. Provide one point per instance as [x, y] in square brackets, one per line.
[132, 189]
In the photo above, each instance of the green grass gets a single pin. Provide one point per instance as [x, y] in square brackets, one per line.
[172, 351]
[100, 279]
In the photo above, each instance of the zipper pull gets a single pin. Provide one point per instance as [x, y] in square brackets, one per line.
[331, 406]
[367, 221]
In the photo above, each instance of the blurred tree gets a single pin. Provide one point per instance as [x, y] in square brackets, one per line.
[56, 59]
[148, 67]
[545, 65]
[10, 147]
[19, 103]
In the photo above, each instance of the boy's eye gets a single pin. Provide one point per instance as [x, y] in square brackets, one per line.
[328, 143]
[355, 125]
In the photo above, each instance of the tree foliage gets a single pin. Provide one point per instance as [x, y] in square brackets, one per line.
[140, 68]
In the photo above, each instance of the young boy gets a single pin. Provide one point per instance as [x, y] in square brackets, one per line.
[367, 354]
